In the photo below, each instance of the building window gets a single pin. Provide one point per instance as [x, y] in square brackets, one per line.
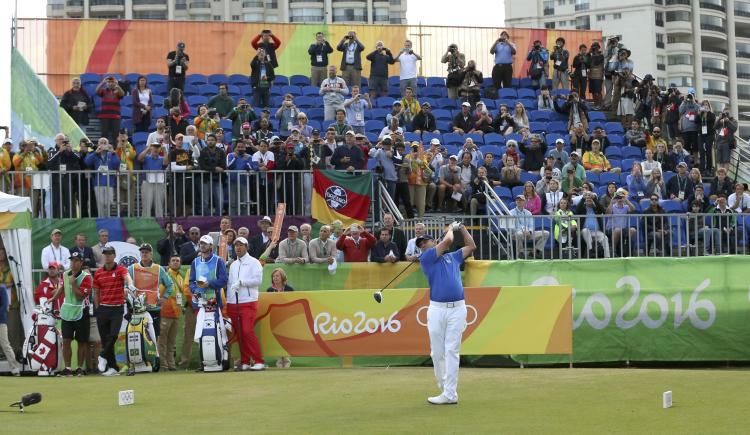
[659, 19]
[617, 16]
[349, 14]
[381, 15]
[661, 81]
[583, 23]
[272, 18]
[549, 25]
[658, 2]
[679, 38]
[235, 17]
[661, 63]
[716, 24]
[395, 2]
[681, 81]
[601, 17]
[659, 40]
[253, 17]
[273, 4]
[562, 23]
[561, 2]
[678, 16]
[217, 17]
[306, 15]
[149, 15]
[715, 66]
[582, 5]
[549, 7]
[680, 59]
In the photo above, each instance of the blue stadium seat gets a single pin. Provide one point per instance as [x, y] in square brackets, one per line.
[631, 152]
[503, 192]
[538, 127]
[672, 206]
[132, 78]
[528, 103]
[294, 90]
[140, 137]
[609, 177]
[315, 113]
[379, 114]
[117, 76]
[452, 149]
[281, 80]
[613, 152]
[156, 78]
[615, 163]
[304, 102]
[539, 115]
[158, 112]
[494, 139]
[495, 150]
[626, 164]
[595, 124]
[430, 92]
[447, 103]
[421, 82]
[216, 79]
[593, 178]
[226, 124]
[435, 82]
[310, 91]
[517, 190]
[195, 100]
[527, 93]
[667, 175]
[444, 125]
[372, 137]
[525, 83]
[196, 79]
[394, 81]
[613, 127]
[238, 79]
[427, 137]
[616, 140]
[527, 176]
[597, 116]
[189, 90]
[507, 93]
[299, 80]
[208, 90]
[374, 125]
[314, 123]
[476, 137]
[557, 127]
[411, 137]
[158, 100]
[550, 139]
[384, 102]
[489, 104]
[88, 78]
[453, 139]
[442, 114]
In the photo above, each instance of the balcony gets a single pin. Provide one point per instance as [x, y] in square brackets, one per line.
[582, 7]
[200, 5]
[743, 55]
[740, 13]
[744, 96]
[677, 2]
[713, 6]
[180, 6]
[149, 2]
[661, 67]
[107, 7]
[349, 19]
[252, 5]
[712, 27]
[659, 44]
[306, 19]
[712, 70]
[720, 92]
[714, 50]
[660, 23]
[743, 75]
[549, 11]
[74, 3]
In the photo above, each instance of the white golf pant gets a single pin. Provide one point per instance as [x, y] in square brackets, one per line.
[446, 323]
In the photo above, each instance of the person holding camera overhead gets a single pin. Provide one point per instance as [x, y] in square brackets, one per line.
[65, 186]
[503, 50]
[538, 58]
[689, 118]
[456, 62]
[104, 161]
[725, 127]
[379, 61]
[408, 72]
[471, 83]
[177, 62]
[269, 43]
[351, 61]
[109, 114]
[319, 52]
[595, 74]
[261, 78]
[610, 67]
[559, 59]
[206, 121]
[241, 114]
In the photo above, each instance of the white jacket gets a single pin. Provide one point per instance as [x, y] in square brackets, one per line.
[245, 275]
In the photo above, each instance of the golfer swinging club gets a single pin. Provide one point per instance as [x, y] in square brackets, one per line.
[446, 316]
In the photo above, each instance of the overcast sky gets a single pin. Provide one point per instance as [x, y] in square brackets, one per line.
[482, 13]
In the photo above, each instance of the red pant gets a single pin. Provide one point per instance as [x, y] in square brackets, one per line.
[243, 323]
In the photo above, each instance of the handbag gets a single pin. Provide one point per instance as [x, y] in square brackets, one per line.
[454, 79]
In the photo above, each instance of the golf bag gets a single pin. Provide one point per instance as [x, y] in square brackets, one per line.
[141, 344]
[41, 349]
[211, 336]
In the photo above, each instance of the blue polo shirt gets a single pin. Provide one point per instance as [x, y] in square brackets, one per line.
[443, 274]
[153, 164]
[503, 53]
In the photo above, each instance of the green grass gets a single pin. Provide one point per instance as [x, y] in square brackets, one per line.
[379, 400]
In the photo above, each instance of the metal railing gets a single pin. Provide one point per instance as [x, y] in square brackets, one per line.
[386, 204]
[138, 193]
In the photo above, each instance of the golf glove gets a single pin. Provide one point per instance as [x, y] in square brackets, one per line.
[456, 226]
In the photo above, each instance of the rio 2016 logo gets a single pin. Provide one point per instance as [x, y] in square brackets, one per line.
[325, 324]
[336, 197]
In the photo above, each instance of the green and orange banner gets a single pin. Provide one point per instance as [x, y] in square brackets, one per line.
[500, 320]
[342, 196]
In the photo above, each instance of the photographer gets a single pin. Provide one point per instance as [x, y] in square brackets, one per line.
[643, 100]
[595, 73]
[379, 61]
[471, 83]
[206, 121]
[290, 188]
[213, 161]
[106, 163]
[109, 114]
[77, 103]
[176, 123]
[177, 62]
[689, 116]
[355, 110]
[333, 90]
[503, 123]
[575, 108]
[456, 62]
[537, 57]
[181, 164]
[317, 154]
[351, 61]
[385, 169]
[222, 102]
[706, 137]
[64, 185]
[544, 101]
[624, 82]
[408, 58]
[240, 166]
[610, 67]
[580, 70]
[261, 78]
[319, 52]
[267, 41]
[239, 115]
[726, 127]
[503, 50]
[559, 59]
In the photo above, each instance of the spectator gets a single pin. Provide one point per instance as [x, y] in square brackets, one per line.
[103, 240]
[579, 138]
[707, 121]
[689, 118]
[379, 59]
[503, 50]
[290, 187]
[520, 118]
[643, 99]
[424, 121]
[727, 224]
[355, 110]
[575, 108]
[456, 62]
[385, 169]
[153, 187]
[176, 99]
[323, 249]
[407, 58]
[109, 114]
[595, 161]
[104, 161]
[240, 115]
[171, 310]
[503, 123]
[175, 124]
[653, 111]
[402, 179]
[552, 197]
[635, 136]
[340, 126]
[304, 128]
[699, 195]
[450, 185]
[544, 101]
[657, 230]
[177, 63]
[523, 229]
[471, 83]
[678, 155]
[739, 201]
[565, 227]
[543, 185]
[241, 165]
[384, 251]
[412, 250]
[532, 200]
[77, 103]
[213, 161]
[610, 68]
[5, 344]
[592, 225]
[48, 288]
[725, 126]
[410, 105]
[356, 244]
[279, 283]
[574, 163]
[609, 195]
[319, 52]
[559, 154]
[472, 150]
[467, 171]
[559, 58]
[680, 186]
[205, 122]
[126, 183]
[85, 253]
[261, 78]
[267, 41]
[222, 102]
[142, 104]
[621, 63]
[478, 190]
[581, 65]
[697, 226]
[537, 58]
[571, 183]
[174, 237]
[626, 103]
[595, 74]
[351, 61]
[655, 184]
[333, 90]
[393, 128]
[464, 121]
[348, 157]
[721, 184]
[493, 172]
[397, 236]
[672, 102]
[655, 139]
[65, 187]
[648, 165]
[510, 174]
[636, 182]
[258, 243]
[419, 179]
[534, 154]
[662, 156]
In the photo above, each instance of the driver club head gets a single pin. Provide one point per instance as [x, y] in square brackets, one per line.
[378, 295]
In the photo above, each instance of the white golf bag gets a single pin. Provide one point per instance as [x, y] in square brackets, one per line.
[41, 349]
[141, 344]
[211, 336]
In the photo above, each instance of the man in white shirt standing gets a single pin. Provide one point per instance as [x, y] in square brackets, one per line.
[332, 89]
[408, 74]
[55, 251]
[245, 275]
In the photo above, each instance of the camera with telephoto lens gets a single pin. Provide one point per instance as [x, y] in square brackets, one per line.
[212, 113]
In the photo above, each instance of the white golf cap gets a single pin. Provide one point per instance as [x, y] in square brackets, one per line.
[435, 141]
[267, 219]
[207, 239]
[466, 103]
[351, 132]
[560, 140]
[241, 240]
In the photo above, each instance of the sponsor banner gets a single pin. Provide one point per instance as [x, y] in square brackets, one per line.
[507, 320]
[637, 309]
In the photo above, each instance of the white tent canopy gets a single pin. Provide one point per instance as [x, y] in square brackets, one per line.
[15, 230]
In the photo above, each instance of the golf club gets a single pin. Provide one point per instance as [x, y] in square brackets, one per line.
[378, 295]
